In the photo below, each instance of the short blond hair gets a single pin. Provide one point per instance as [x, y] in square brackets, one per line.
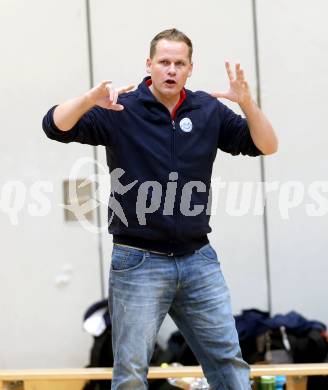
[171, 35]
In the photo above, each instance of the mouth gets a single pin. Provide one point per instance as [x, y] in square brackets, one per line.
[170, 82]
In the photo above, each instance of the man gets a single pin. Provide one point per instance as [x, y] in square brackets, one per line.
[164, 139]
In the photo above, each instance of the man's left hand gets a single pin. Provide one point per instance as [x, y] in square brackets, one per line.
[238, 91]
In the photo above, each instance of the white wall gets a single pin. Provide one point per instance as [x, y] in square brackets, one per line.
[45, 61]
[293, 60]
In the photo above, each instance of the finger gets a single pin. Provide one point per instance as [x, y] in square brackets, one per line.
[230, 74]
[107, 84]
[108, 87]
[125, 89]
[245, 85]
[104, 82]
[219, 94]
[111, 95]
[239, 73]
[115, 96]
[117, 107]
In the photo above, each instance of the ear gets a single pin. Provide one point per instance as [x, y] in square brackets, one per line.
[190, 70]
[148, 65]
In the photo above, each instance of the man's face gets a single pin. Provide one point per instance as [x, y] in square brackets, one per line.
[169, 68]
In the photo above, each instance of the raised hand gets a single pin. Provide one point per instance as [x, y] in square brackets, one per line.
[238, 91]
[105, 95]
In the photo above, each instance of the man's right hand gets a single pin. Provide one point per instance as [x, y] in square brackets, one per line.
[105, 96]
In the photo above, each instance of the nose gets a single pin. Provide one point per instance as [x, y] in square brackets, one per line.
[172, 69]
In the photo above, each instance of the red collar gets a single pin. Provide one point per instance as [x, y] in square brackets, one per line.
[181, 100]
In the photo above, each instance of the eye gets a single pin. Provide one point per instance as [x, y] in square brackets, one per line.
[165, 62]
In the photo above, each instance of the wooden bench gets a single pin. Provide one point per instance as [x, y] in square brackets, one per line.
[75, 378]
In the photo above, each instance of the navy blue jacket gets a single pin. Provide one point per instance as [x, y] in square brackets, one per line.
[147, 143]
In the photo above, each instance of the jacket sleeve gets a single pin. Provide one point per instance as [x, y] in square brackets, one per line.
[94, 128]
[234, 134]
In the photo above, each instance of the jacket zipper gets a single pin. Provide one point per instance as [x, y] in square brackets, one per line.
[175, 170]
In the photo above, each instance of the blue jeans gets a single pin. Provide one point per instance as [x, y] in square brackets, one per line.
[144, 287]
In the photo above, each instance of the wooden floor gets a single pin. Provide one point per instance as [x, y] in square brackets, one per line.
[75, 378]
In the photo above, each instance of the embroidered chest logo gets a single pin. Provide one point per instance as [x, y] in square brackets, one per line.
[186, 125]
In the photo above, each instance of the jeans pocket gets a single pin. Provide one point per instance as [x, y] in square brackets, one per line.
[208, 253]
[127, 259]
